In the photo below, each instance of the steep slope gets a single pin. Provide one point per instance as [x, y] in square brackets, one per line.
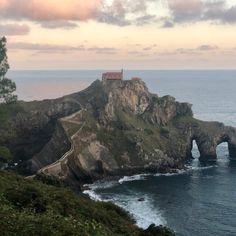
[111, 128]
[124, 129]
[29, 207]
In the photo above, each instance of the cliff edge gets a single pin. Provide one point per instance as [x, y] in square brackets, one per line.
[111, 128]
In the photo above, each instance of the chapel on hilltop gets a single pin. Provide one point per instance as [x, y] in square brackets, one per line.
[117, 76]
[112, 76]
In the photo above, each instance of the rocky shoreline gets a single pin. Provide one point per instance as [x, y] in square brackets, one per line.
[112, 128]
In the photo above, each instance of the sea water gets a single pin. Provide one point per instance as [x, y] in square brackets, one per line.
[198, 201]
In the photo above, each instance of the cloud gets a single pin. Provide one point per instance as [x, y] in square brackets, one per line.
[59, 24]
[42, 11]
[103, 50]
[219, 12]
[207, 47]
[127, 12]
[14, 29]
[51, 48]
[43, 47]
[192, 51]
[168, 24]
[182, 11]
[63, 14]
[145, 19]
[66, 14]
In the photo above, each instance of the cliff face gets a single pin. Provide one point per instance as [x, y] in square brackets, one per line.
[127, 130]
[113, 128]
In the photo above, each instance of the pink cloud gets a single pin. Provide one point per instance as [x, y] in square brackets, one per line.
[14, 29]
[185, 6]
[49, 10]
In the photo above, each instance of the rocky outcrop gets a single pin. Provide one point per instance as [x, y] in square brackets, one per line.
[136, 131]
[121, 129]
[208, 135]
[162, 110]
[51, 152]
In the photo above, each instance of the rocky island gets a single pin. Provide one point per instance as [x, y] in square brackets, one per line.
[112, 128]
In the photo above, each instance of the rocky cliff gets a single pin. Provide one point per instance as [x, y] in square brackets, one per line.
[112, 128]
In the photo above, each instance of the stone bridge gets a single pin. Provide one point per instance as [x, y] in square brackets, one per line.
[208, 135]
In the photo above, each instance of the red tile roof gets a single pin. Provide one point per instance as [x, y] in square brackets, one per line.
[136, 79]
[112, 76]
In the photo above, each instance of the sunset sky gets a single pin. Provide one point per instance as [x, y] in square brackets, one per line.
[111, 34]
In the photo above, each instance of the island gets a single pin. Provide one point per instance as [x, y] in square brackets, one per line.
[115, 127]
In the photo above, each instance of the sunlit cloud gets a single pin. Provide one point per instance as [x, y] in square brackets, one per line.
[116, 33]
[44, 47]
[54, 48]
[59, 24]
[42, 11]
[14, 29]
[191, 11]
[66, 14]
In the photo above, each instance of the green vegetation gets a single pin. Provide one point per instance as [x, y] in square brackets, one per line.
[164, 131]
[29, 207]
[8, 107]
[128, 131]
[187, 120]
[5, 155]
[71, 128]
[7, 112]
[7, 87]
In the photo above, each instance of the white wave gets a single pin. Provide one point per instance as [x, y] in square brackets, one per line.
[109, 184]
[178, 172]
[92, 195]
[145, 213]
[101, 185]
[200, 167]
[132, 178]
[185, 171]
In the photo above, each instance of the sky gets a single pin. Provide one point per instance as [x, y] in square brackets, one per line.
[114, 34]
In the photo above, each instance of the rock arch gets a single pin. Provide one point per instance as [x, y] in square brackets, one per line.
[208, 137]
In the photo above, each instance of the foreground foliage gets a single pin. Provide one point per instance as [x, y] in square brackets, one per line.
[28, 207]
[7, 87]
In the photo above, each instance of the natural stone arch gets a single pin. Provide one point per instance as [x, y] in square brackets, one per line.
[207, 142]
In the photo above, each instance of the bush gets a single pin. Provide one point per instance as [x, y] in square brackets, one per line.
[148, 131]
[49, 180]
[5, 154]
[26, 197]
[28, 207]
[164, 131]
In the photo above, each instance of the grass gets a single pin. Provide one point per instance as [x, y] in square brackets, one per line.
[29, 207]
[5, 155]
[128, 130]
[71, 128]
[7, 111]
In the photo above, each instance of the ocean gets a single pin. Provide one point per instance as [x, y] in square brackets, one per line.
[198, 201]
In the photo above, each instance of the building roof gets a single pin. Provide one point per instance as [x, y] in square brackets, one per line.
[136, 79]
[112, 75]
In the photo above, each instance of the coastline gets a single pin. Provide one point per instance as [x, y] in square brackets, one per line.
[142, 202]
